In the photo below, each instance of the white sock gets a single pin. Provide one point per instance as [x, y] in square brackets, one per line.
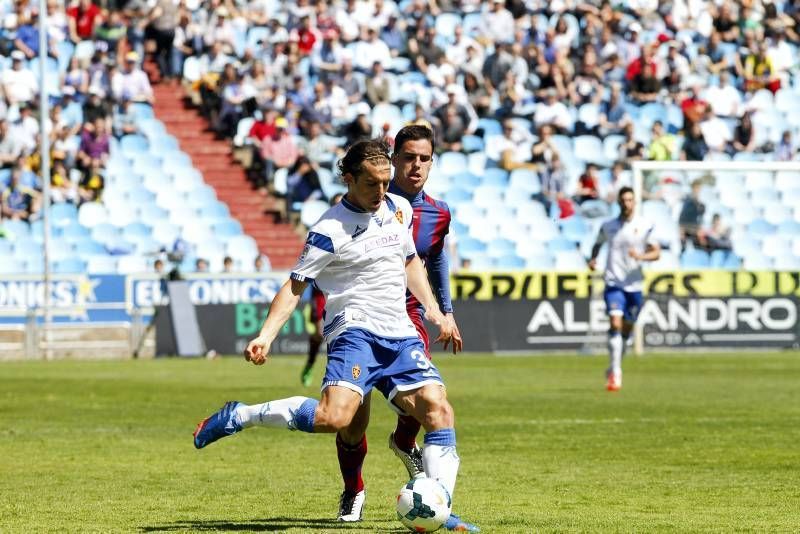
[615, 346]
[288, 413]
[440, 459]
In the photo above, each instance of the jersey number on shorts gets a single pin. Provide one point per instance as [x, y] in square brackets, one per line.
[423, 363]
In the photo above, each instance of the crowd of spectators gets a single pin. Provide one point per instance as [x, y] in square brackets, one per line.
[95, 80]
[310, 74]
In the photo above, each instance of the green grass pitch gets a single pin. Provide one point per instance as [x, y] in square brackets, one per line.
[692, 443]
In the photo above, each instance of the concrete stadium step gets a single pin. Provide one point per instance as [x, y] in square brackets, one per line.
[212, 157]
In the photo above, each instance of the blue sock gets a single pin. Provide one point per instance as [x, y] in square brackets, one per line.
[304, 416]
[444, 437]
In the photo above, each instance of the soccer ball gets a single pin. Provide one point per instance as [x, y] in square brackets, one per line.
[423, 505]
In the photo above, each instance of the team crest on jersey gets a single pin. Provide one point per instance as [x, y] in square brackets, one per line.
[356, 371]
[399, 216]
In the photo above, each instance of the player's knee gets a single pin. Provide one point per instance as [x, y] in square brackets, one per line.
[331, 420]
[438, 411]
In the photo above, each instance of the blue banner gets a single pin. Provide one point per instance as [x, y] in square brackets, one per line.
[83, 298]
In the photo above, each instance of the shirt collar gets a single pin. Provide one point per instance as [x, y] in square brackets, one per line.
[352, 207]
[411, 197]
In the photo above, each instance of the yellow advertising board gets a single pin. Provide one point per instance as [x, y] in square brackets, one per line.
[549, 285]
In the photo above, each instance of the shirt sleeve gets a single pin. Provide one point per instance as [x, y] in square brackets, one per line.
[410, 249]
[649, 235]
[317, 253]
[439, 275]
[601, 236]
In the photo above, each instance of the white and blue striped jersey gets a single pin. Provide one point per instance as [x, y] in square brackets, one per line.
[622, 271]
[358, 260]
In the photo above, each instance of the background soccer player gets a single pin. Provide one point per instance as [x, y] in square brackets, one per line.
[361, 255]
[412, 160]
[630, 242]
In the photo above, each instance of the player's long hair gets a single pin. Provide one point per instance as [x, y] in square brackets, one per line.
[361, 152]
[413, 132]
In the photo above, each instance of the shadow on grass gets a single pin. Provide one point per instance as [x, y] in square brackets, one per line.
[272, 524]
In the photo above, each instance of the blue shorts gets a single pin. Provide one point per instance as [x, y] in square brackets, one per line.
[360, 360]
[628, 304]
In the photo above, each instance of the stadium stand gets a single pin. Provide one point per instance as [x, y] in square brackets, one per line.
[523, 96]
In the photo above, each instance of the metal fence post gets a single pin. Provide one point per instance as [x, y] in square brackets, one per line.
[31, 335]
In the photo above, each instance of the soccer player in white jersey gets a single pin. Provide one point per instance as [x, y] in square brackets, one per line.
[361, 255]
[630, 242]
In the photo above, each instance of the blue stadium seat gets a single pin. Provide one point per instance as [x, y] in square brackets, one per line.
[570, 260]
[695, 259]
[133, 144]
[509, 262]
[500, 247]
[540, 263]
[496, 177]
[786, 262]
[227, 228]
[561, 244]
[74, 233]
[526, 180]
[89, 247]
[101, 264]
[760, 227]
[15, 229]
[469, 247]
[452, 163]
[330, 183]
[490, 127]
[69, 266]
[457, 196]
[757, 262]
[12, 265]
[574, 228]
[472, 143]
[63, 213]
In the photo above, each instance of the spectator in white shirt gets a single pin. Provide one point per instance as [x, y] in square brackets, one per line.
[131, 82]
[497, 23]
[370, 50]
[19, 83]
[553, 112]
[725, 99]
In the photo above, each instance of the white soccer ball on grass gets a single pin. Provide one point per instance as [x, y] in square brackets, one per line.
[423, 505]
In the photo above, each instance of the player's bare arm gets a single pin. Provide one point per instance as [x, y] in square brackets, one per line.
[417, 280]
[592, 263]
[280, 310]
[651, 253]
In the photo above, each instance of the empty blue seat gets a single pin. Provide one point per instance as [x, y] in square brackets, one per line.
[69, 266]
[495, 176]
[63, 213]
[227, 228]
[472, 143]
[760, 227]
[452, 163]
[457, 196]
[500, 247]
[695, 259]
[509, 261]
[561, 244]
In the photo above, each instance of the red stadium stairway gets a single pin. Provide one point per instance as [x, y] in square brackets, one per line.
[213, 158]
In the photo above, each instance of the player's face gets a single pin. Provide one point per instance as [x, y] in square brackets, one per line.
[412, 163]
[626, 204]
[368, 190]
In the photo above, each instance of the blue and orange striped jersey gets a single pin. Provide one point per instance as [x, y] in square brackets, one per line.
[430, 225]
